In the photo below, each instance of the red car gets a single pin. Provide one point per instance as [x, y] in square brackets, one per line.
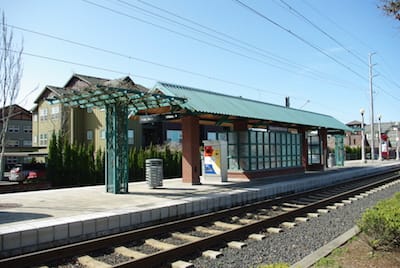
[22, 172]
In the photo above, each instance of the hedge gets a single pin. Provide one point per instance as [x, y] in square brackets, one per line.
[78, 165]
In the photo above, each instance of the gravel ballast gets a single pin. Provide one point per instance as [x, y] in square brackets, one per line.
[294, 244]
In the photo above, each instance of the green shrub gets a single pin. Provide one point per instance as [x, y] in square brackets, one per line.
[382, 223]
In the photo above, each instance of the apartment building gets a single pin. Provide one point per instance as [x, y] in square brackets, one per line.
[80, 126]
[18, 133]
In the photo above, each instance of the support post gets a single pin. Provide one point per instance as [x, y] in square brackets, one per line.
[323, 136]
[117, 148]
[190, 150]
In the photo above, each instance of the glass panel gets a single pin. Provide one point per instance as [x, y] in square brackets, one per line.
[232, 150]
[253, 136]
[253, 163]
[266, 162]
[243, 150]
[266, 150]
[260, 163]
[232, 137]
[243, 137]
[233, 164]
[260, 136]
[244, 163]
[273, 162]
[266, 137]
[253, 151]
[260, 151]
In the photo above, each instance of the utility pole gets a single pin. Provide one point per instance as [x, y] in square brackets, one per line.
[372, 107]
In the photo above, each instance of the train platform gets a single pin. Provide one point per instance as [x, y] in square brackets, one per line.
[40, 219]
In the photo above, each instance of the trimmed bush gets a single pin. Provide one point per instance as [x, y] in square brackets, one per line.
[382, 224]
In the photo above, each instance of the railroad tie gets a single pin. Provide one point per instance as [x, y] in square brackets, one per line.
[322, 211]
[301, 219]
[293, 205]
[190, 238]
[227, 225]
[331, 207]
[274, 230]
[288, 224]
[287, 209]
[236, 245]
[129, 253]
[312, 215]
[207, 230]
[212, 254]
[247, 221]
[181, 264]
[257, 237]
[159, 245]
[348, 201]
[264, 217]
[339, 204]
[90, 262]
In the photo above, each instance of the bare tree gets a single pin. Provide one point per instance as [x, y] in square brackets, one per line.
[10, 77]
[391, 8]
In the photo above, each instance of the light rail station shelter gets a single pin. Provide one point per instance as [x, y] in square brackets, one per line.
[262, 139]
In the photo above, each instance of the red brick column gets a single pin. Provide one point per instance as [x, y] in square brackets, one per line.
[304, 148]
[323, 136]
[190, 150]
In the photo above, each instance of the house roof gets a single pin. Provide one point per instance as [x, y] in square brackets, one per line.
[203, 101]
[53, 89]
[18, 112]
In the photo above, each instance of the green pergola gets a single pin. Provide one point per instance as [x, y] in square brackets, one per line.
[119, 104]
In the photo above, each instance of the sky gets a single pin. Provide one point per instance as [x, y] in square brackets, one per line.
[314, 51]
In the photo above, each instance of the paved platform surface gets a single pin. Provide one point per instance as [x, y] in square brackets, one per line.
[39, 219]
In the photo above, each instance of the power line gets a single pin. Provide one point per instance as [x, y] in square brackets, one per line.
[298, 37]
[293, 10]
[211, 44]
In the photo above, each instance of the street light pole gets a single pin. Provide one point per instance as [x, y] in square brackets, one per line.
[379, 138]
[362, 111]
[397, 141]
[372, 108]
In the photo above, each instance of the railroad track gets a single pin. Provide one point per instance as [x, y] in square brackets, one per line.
[166, 244]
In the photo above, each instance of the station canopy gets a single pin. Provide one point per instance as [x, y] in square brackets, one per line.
[102, 95]
[230, 107]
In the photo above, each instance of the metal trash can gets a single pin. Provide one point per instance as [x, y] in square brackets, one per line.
[154, 172]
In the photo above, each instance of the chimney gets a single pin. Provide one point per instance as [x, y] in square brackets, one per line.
[287, 102]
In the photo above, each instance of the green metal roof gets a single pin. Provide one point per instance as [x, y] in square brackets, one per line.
[203, 101]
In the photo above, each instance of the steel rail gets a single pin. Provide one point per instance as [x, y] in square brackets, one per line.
[166, 256]
[80, 248]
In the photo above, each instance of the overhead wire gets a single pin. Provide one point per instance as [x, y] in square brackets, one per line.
[293, 10]
[297, 36]
[315, 76]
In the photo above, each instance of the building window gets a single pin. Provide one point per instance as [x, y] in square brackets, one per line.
[34, 117]
[12, 143]
[12, 160]
[27, 143]
[89, 135]
[43, 139]
[55, 112]
[28, 129]
[131, 136]
[13, 128]
[103, 134]
[34, 140]
[43, 114]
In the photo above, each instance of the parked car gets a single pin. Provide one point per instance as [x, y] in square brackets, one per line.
[22, 172]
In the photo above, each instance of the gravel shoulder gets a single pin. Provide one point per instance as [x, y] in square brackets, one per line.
[294, 244]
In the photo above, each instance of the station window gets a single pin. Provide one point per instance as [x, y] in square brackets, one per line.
[258, 150]
[314, 150]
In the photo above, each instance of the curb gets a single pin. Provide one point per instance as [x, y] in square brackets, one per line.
[325, 250]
